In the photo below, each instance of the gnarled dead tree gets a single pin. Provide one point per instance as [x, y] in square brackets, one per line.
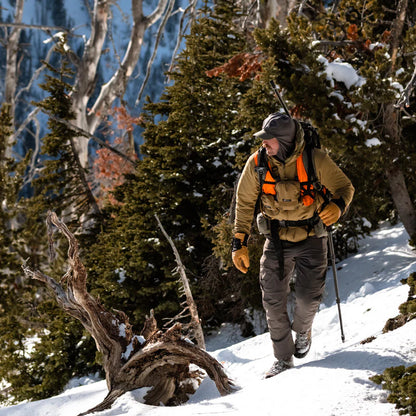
[155, 359]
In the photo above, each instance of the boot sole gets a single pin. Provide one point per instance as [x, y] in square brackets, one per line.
[302, 354]
[274, 375]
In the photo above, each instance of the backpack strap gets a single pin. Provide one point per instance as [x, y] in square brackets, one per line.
[261, 166]
[313, 183]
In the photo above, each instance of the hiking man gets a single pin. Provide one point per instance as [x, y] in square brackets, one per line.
[293, 209]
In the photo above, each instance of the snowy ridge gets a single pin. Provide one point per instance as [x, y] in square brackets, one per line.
[333, 379]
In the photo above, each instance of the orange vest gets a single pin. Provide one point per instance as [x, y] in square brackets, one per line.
[307, 190]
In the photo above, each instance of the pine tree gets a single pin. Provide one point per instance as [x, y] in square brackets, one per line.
[62, 183]
[349, 117]
[11, 286]
[13, 291]
[186, 177]
[41, 348]
[7, 186]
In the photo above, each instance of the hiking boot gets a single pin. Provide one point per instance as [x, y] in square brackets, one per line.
[278, 367]
[303, 343]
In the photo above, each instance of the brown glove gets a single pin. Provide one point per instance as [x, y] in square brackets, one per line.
[240, 252]
[330, 214]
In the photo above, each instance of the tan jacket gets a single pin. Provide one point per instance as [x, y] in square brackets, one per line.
[328, 173]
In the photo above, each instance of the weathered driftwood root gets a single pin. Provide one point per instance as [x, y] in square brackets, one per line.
[154, 359]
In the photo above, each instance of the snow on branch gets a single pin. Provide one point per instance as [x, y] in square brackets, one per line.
[404, 100]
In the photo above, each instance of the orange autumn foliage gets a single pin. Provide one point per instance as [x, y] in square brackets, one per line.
[109, 169]
[242, 65]
[352, 33]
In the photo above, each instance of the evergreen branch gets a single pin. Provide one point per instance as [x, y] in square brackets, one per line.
[82, 177]
[335, 6]
[36, 74]
[28, 119]
[88, 135]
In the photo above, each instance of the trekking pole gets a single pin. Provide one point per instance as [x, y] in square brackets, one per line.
[334, 270]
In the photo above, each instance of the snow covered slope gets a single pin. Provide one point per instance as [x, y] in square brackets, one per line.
[333, 379]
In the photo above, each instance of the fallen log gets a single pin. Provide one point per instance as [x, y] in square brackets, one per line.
[155, 359]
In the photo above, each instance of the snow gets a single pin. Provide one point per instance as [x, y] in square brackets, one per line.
[122, 275]
[373, 142]
[129, 347]
[122, 330]
[333, 379]
[342, 72]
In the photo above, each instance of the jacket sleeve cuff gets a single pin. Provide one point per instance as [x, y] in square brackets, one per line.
[340, 203]
[237, 243]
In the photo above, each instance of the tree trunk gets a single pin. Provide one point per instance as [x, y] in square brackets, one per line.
[12, 69]
[278, 9]
[155, 359]
[401, 199]
[89, 119]
[395, 176]
[396, 32]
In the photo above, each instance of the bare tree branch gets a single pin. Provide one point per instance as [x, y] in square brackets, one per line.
[195, 324]
[36, 74]
[157, 13]
[152, 58]
[32, 166]
[89, 112]
[30, 26]
[251, 7]
[404, 100]
[190, 10]
[88, 135]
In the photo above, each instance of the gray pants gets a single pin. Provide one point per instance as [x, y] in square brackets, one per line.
[309, 257]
